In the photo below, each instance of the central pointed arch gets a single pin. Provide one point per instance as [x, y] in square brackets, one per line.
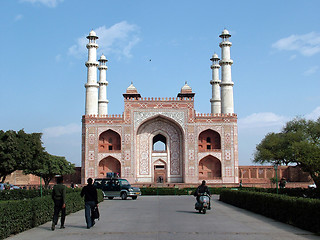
[170, 134]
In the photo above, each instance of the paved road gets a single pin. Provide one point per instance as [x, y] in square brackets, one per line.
[168, 218]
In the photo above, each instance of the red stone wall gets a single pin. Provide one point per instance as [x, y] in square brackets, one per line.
[262, 174]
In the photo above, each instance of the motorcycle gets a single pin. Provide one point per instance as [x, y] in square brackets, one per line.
[203, 204]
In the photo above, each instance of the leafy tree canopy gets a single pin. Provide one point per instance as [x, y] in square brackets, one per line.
[18, 151]
[48, 166]
[298, 142]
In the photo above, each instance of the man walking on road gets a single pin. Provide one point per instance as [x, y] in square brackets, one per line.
[59, 198]
[91, 200]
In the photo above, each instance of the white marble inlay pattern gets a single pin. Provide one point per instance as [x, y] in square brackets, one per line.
[144, 144]
[141, 116]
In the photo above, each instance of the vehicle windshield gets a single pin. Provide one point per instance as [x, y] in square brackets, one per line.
[124, 183]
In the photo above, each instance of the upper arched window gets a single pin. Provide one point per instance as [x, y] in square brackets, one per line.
[159, 143]
[109, 141]
[209, 140]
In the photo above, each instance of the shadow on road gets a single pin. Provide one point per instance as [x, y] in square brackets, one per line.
[193, 212]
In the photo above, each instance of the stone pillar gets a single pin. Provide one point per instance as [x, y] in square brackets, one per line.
[226, 80]
[215, 82]
[103, 83]
[92, 85]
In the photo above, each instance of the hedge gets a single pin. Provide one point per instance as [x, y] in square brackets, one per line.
[300, 212]
[294, 192]
[20, 215]
[20, 194]
[173, 191]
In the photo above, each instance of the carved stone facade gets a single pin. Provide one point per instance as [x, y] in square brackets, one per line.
[194, 146]
[161, 139]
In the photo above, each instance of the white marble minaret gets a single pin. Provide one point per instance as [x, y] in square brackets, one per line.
[215, 82]
[103, 83]
[92, 85]
[226, 80]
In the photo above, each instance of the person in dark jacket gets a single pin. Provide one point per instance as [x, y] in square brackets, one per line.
[91, 200]
[203, 188]
[59, 199]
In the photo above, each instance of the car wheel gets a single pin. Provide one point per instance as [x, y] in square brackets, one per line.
[124, 196]
[110, 198]
[134, 197]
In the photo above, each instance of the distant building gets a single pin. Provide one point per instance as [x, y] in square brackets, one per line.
[161, 139]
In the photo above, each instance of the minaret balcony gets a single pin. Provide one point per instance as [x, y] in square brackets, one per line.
[225, 44]
[87, 85]
[92, 45]
[226, 84]
[92, 64]
[215, 81]
[103, 67]
[226, 62]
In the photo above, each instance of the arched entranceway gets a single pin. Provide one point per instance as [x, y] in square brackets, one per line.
[109, 164]
[209, 140]
[209, 168]
[160, 171]
[160, 138]
[109, 141]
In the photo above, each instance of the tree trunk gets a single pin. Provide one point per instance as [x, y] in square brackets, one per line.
[46, 182]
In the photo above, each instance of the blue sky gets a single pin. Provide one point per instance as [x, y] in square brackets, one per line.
[276, 70]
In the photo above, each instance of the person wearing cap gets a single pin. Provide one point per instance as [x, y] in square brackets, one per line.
[59, 199]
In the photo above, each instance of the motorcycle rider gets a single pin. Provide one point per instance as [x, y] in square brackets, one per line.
[203, 188]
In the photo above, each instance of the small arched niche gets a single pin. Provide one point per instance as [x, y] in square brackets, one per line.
[159, 143]
[209, 140]
[109, 141]
[209, 168]
[109, 164]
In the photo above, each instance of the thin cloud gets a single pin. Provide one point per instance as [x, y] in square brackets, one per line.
[315, 114]
[48, 3]
[18, 17]
[117, 40]
[58, 131]
[307, 44]
[311, 71]
[58, 58]
[262, 120]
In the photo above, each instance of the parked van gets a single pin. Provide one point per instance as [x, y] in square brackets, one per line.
[116, 187]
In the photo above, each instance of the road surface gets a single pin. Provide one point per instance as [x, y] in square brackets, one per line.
[168, 218]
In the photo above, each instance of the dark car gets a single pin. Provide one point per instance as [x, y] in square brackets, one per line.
[116, 187]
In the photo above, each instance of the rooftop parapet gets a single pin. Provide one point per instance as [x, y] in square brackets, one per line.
[155, 99]
[113, 116]
[206, 115]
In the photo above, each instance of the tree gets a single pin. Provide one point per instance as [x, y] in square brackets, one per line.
[18, 151]
[298, 142]
[49, 166]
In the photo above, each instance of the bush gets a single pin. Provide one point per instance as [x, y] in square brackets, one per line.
[20, 215]
[294, 192]
[20, 194]
[300, 212]
[174, 191]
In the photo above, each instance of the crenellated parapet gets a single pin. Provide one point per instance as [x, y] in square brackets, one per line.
[163, 99]
[216, 117]
[113, 116]
[103, 119]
